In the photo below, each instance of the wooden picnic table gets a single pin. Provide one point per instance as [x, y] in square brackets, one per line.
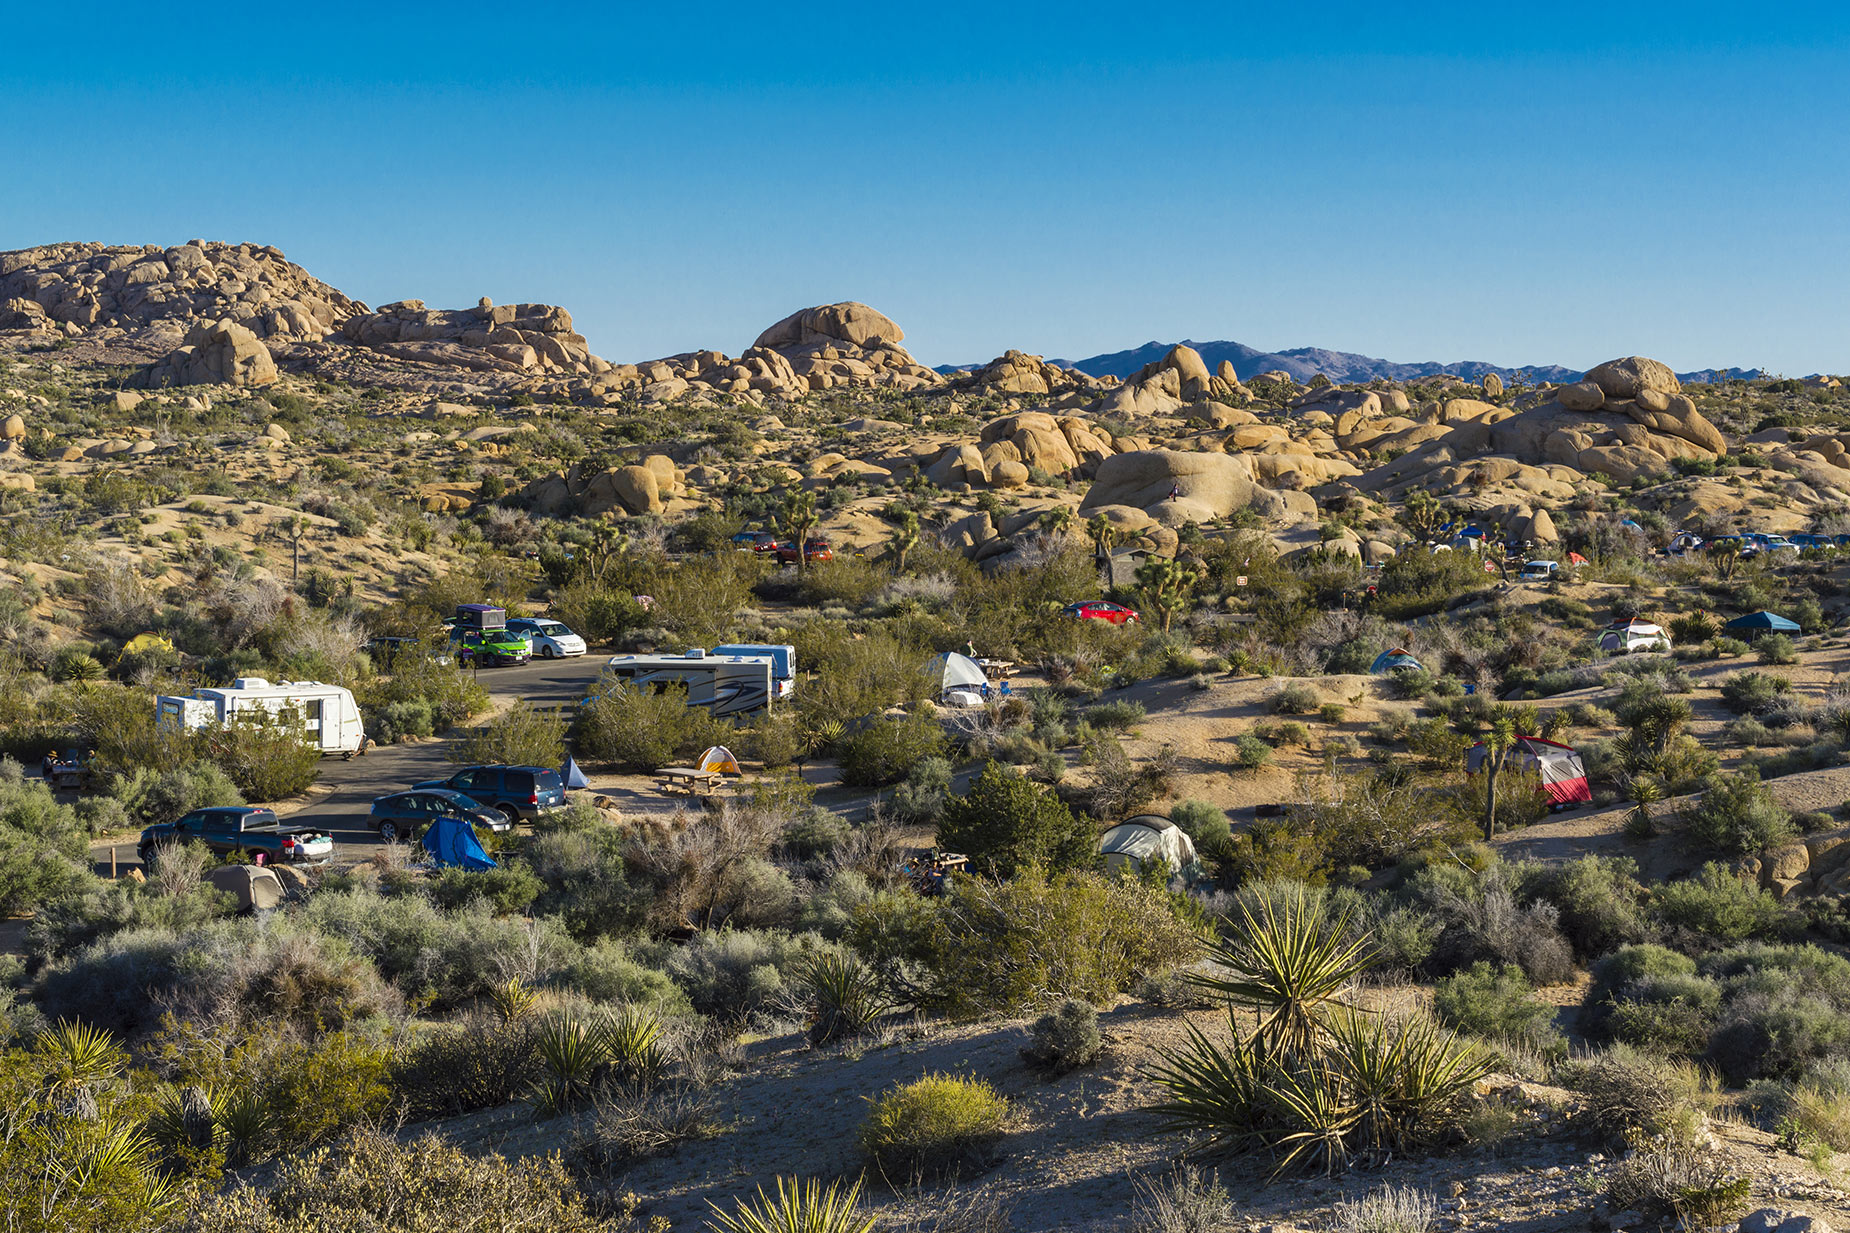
[688, 779]
[1001, 668]
[66, 778]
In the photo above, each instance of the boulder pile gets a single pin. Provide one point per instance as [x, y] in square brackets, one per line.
[156, 295]
[218, 353]
[1166, 385]
[1014, 372]
[515, 338]
[590, 490]
[1008, 448]
[1173, 487]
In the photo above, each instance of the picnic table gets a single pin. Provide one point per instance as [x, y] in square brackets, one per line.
[68, 778]
[999, 669]
[688, 779]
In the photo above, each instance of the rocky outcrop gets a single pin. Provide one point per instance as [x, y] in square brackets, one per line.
[1166, 385]
[1010, 447]
[1014, 372]
[515, 338]
[154, 295]
[1204, 487]
[590, 491]
[222, 353]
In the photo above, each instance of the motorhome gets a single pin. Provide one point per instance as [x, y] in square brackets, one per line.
[783, 658]
[727, 685]
[329, 717]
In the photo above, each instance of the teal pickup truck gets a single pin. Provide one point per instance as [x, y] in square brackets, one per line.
[239, 828]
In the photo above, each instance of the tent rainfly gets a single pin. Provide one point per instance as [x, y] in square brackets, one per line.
[719, 759]
[960, 680]
[1145, 838]
[1762, 622]
[1564, 776]
[1394, 661]
[452, 841]
[571, 775]
[257, 889]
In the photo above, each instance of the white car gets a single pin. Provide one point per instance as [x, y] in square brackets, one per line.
[549, 639]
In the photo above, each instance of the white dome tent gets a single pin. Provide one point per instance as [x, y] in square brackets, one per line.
[961, 682]
[1145, 838]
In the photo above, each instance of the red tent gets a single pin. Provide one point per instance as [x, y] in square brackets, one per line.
[1564, 776]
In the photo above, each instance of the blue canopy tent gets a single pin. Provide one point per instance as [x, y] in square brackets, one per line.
[1394, 661]
[452, 841]
[573, 777]
[1763, 622]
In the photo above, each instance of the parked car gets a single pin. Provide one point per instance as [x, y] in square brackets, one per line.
[756, 541]
[238, 828]
[404, 815]
[1812, 541]
[815, 550]
[1100, 610]
[490, 647]
[517, 791]
[547, 638]
[1539, 571]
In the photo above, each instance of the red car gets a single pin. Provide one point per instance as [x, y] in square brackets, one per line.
[815, 550]
[756, 541]
[1100, 610]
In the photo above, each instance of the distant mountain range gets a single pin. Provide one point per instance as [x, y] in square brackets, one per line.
[1344, 367]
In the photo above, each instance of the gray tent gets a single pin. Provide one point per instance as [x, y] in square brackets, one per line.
[257, 889]
[1145, 838]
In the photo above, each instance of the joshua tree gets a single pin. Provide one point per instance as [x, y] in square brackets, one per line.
[296, 529]
[1498, 741]
[905, 539]
[799, 521]
[1057, 520]
[1104, 537]
[1166, 586]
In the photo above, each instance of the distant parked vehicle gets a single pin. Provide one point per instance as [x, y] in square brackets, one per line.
[1539, 571]
[238, 828]
[1812, 541]
[517, 791]
[404, 815]
[548, 639]
[1625, 637]
[756, 541]
[814, 550]
[327, 715]
[490, 648]
[1100, 610]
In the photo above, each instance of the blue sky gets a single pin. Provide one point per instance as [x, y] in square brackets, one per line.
[1420, 182]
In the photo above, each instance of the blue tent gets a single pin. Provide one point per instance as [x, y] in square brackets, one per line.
[1394, 661]
[452, 841]
[573, 777]
[1763, 622]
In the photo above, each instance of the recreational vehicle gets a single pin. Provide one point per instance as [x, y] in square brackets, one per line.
[330, 719]
[727, 685]
[783, 658]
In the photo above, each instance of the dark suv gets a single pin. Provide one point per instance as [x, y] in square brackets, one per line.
[238, 828]
[517, 791]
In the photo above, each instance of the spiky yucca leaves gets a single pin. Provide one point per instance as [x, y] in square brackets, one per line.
[1399, 1073]
[632, 1043]
[572, 1052]
[1289, 966]
[512, 999]
[1213, 1091]
[77, 1055]
[1312, 1116]
[799, 1207]
[847, 997]
[247, 1121]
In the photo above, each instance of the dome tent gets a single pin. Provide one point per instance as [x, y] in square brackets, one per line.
[960, 679]
[719, 759]
[452, 841]
[1395, 660]
[1563, 774]
[1144, 838]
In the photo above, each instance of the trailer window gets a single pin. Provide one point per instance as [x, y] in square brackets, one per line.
[314, 710]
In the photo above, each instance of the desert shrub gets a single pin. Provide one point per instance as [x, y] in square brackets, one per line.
[43, 849]
[1494, 1001]
[1005, 822]
[1776, 649]
[1251, 753]
[1674, 1173]
[1486, 917]
[369, 1178]
[152, 796]
[1736, 814]
[1200, 820]
[1188, 1201]
[1066, 1037]
[932, 1124]
[479, 1062]
[599, 613]
[1753, 692]
[712, 868]
[886, 750]
[396, 720]
[1817, 1107]
[1783, 1010]
[846, 996]
[1292, 698]
[585, 882]
[606, 971]
[505, 889]
[263, 754]
[524, 735]
[732, 973]
[920, 799]
[992, 948]
[1115, 716]
[644, 730]
[814, 836]
[1391, 1209]
[1600, 899]
[626, 1127]
[1625, 1091]
[1717, 908]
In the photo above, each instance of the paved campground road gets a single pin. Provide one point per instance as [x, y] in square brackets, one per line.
[343, 803]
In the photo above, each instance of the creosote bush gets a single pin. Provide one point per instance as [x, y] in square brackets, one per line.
[934, 1123]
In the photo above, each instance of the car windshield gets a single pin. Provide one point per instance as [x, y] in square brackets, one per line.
[551, 628]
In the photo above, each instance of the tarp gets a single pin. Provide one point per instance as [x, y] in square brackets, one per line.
[960, 680]
[1764, 622]
[1144, 838]
[146, 642]
[452, 841]
[257, 889]
[571, 776]
[1394, 661]
[1563, 775]
[717, 758]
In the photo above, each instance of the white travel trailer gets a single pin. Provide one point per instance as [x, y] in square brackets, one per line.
[782, 655]
[330, 719]
[727, 685]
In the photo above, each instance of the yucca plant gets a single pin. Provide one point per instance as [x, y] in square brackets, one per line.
[78, 1055]
[632, 1043]
[573, 1053]
[1289, 966]
[1313, 1114]
[245, 1118]
[184, 1122]
[799, 1207]
[847, 997]
[1213, 1090]
[512, 999]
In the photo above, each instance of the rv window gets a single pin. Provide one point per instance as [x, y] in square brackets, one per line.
[314, 711]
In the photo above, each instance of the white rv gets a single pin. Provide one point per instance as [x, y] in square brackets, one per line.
[330, 719]
[783, 657]
[727, 685]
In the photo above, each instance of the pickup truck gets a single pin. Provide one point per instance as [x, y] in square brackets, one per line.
[239, 828]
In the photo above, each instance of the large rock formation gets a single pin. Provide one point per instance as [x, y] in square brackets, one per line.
[1205, 487]
[516, 338]
[1164, 386]
[153, 296]
[590, 491]
[221, 353]
[1014, 372]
